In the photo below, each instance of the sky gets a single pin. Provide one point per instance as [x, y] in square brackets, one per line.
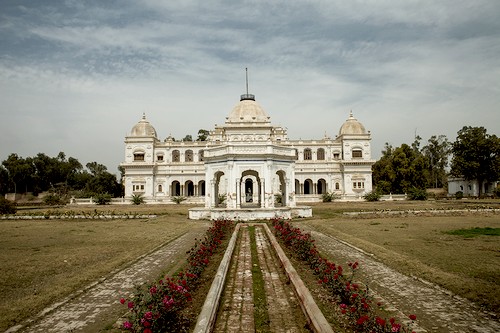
[76, 76]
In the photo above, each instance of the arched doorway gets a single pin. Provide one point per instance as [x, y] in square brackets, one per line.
[250, 189]
[308, 186]
[281, 200]
[201, 188]
[322, 186]
[189, 188]
[176, 188]
[218, 194]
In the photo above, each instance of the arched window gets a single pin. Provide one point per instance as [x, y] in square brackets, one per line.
[139, 156]
[201, 155]
[357, 153]
[176, 156]
[307, 154]
[296, 154]
[160, 188]
[337, 186]
[188, 156]
[320, 154]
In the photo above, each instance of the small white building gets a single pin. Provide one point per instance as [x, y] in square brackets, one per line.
[469, 188]
[248, 162]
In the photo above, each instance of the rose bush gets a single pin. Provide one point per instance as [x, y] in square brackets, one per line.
[156, 307]
[353, 298]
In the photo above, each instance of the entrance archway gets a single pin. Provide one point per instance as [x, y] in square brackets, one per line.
[250, 189]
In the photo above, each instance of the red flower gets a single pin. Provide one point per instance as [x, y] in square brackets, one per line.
[362, 319]
[148, 315]
[130, 305]
[380, 321]
[147, 330]
[122, 300]
[127, 325]
[413, 317]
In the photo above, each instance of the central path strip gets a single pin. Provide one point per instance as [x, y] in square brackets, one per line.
[236, 312]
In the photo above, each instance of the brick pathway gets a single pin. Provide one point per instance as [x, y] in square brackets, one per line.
[236, 313]
[93, 309]
[437, 309]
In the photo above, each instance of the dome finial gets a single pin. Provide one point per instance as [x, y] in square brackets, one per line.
[247, 96]
[144, 116]
[350, 115]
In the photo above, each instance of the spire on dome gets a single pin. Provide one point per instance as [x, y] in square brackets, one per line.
[247, 96]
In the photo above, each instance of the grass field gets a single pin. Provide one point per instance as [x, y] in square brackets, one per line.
[460, 252]
[42, 261]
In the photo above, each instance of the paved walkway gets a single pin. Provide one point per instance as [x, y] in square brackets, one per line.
[93, 309]
[437, 309]
[237, 308]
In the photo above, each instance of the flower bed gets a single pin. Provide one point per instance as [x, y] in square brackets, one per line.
[353, 298]
[156, 307]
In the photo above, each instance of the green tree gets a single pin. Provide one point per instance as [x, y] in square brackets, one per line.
[4, 180]
[202, 135]
[400, 169]
[437, 152]
[101, 181]
[476, 155]
[188, 138]
[20, 173]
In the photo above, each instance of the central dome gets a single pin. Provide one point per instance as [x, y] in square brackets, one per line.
[247, 111]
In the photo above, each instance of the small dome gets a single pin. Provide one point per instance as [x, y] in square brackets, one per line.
[143, 128]
[352, 126]
[247, 110]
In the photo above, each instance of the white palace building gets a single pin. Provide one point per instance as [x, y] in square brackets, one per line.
[248, 168]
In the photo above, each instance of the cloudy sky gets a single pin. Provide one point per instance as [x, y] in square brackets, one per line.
[75, 76]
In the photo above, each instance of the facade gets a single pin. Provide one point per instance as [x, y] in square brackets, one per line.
[247, 162]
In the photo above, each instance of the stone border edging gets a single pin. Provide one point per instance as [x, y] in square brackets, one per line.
[316, 318]
[206, 318]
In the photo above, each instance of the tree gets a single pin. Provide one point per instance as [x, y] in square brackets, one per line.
[437, 151]
[202, 135]
[400, 169]
[20, 173]
[4, 180]
[188, 138]
[476, 155]
[101, 181]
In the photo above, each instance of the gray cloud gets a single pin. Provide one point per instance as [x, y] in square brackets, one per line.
[76, 76]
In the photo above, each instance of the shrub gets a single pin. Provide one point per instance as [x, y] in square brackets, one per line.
[222, 198]
[372, 196]
[417, 194]
[53, 200]
[328, 197]
[137, 199]
[496, 191]
[102, 199]
[278, 198]
[459, 195]
[7, 206]
[178, 199]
